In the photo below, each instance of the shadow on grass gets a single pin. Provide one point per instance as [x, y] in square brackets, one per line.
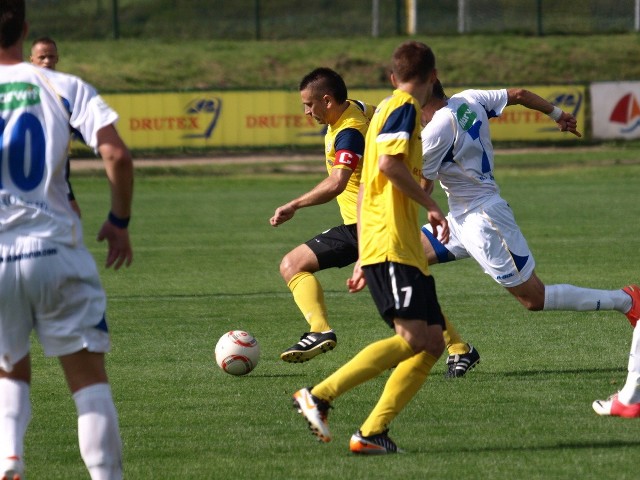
[588, 445]
[533, 373]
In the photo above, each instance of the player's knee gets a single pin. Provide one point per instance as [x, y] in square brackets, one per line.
[432, 344]
[288, 268]
[435, 345]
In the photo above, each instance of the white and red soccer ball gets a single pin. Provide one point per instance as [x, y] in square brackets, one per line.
[237, 352]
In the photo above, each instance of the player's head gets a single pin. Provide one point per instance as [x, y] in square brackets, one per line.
[414, 63]
[12, 22]
[44, 53]
[322, 92]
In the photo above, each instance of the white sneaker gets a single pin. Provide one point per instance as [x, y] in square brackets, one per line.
[12, 469]
[314, 411]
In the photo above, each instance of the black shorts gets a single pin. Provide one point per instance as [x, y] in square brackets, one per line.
[403, 291]
[337, 247]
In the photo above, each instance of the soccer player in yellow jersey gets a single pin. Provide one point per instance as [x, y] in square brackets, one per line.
[392, 261]
[324, 96]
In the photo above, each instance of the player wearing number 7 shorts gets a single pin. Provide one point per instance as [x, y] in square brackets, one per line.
[324, 97]
[50, 283]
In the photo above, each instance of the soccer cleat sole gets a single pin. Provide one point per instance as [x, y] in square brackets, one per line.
[301, 356]
[362, 447]
[321, 437]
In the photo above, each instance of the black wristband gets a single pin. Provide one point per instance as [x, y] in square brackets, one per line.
[118, 222]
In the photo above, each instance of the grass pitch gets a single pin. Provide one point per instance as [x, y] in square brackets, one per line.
[206, 261]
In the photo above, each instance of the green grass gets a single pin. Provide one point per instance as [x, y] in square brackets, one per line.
[144, 65]
[206, 261]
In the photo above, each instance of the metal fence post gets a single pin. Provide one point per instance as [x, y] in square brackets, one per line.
[412, 14]
[461, 16]
[116, 21]
[539, 15]
[257, 19]
[375, 18]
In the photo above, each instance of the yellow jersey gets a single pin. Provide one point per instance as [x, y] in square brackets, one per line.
[389, 227]
[344, 147]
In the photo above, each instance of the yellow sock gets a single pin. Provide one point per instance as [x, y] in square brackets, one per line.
[453, 340]
[308, 295]
[403, 384]
[370, 362]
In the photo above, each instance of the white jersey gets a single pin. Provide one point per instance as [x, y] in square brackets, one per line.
[38, 108]
[457, 149]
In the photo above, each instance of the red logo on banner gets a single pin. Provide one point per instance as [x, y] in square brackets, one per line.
[626, 111]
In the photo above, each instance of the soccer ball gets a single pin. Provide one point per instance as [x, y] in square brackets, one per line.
[237, 352]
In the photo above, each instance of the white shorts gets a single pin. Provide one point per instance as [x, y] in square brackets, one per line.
[54, 290]
[491, 236]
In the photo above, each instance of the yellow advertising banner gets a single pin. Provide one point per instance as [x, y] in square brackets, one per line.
[275, 118]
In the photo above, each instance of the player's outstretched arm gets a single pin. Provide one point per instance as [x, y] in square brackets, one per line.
[566, 121]
[323, 192]
[119, 168]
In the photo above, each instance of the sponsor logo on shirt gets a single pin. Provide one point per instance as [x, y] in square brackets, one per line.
[465, 117]
[18, 94]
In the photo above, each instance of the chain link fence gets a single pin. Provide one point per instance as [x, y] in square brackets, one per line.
[292, 19]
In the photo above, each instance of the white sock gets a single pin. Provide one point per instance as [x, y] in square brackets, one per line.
[569, 297]
[98, 433]
[630, 393]
[15, 413]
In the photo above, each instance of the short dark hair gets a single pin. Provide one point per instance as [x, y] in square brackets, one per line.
[326, 81]
[45, 40]
[413, 60]
[12, 17]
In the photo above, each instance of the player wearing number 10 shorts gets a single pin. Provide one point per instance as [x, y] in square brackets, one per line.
[50, 283]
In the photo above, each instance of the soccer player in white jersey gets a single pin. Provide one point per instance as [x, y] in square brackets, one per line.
[49, 280]
[44, 53]
[457, 151]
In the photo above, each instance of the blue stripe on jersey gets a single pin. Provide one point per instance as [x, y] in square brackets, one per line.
[350, 139]
[360, 104]
[74, 133]
[402, 119]
[448, 156]
[486, 166]
[490, 113]
[474, 131]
